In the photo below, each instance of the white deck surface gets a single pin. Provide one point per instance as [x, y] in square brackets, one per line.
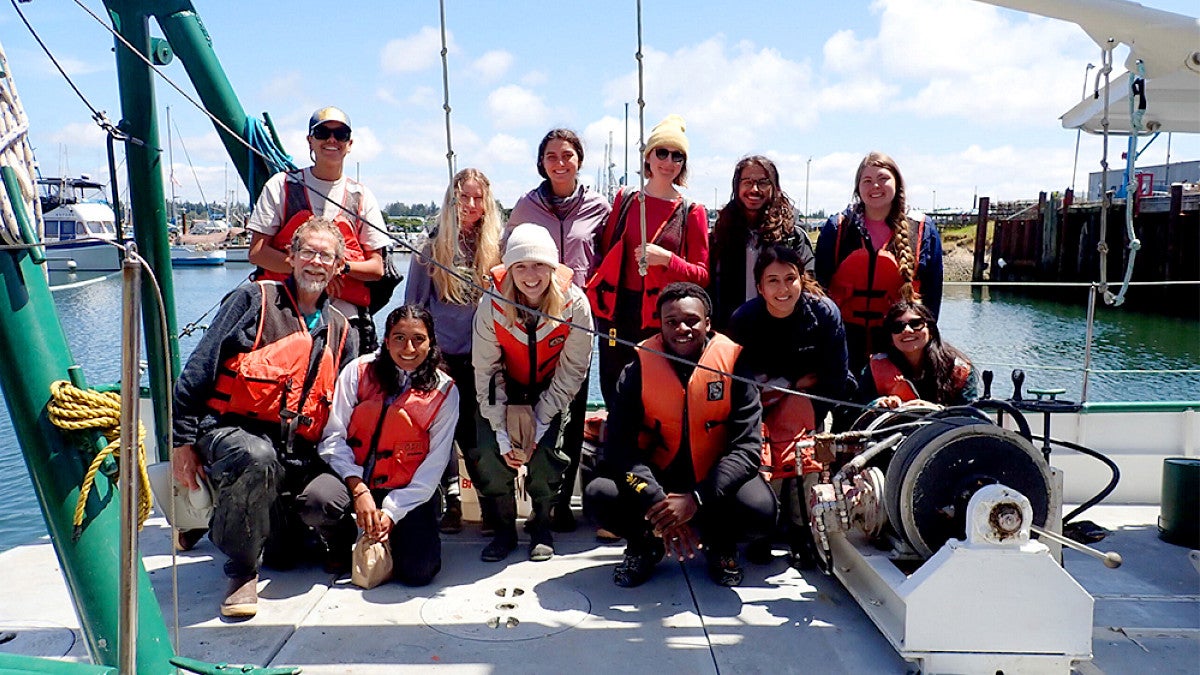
[569, 617]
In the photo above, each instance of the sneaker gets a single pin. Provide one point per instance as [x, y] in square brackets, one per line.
[638, 566]
[541, 546]
[562, 519]
[724, 568]
[241, 598]
[452, 519]
[499, 549]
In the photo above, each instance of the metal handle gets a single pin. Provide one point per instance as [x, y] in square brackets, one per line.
[1111, 559]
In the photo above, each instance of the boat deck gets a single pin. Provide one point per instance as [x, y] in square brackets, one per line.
[565, 615]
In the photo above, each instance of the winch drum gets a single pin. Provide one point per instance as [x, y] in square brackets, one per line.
[934, 472]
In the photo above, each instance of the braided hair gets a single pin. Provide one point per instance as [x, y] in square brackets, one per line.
[897, 221]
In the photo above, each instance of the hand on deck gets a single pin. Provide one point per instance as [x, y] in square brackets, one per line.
[673, 511]
[681, 542]
[185, 465]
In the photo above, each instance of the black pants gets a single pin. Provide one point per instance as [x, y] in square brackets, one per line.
[747, 514]
[572, 445]
[416, 544]
[260, 500]
[627, 321]
[463, 373]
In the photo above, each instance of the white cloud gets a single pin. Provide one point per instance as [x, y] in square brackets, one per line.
[844, 52]
[415, 52]
[512, 106]
[78, 135]
[749, 93]
[492, 65]
[941, 58]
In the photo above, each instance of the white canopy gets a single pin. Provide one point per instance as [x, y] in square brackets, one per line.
[1168, 45]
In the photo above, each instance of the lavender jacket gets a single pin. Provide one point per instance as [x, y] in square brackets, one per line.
[575, 234]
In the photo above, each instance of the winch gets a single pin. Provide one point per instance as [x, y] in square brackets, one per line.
[926, 516]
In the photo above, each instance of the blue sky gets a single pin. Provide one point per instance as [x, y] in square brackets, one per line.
[964, 95]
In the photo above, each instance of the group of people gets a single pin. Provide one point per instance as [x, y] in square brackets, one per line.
[312, 435]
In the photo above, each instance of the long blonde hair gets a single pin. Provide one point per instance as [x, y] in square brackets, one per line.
[553, 302]
[452, 288]
[897, 221]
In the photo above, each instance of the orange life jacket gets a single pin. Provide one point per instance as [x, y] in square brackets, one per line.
[530, 358]
[889, 381]
[280, 379]
[704, 404]
[867, 283]
[786, 423]
[394, 429]
[602, 287]
[297, 209]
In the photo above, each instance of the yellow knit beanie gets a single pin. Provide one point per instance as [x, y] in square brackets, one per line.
[668, 132]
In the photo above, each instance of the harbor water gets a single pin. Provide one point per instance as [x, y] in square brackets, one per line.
[999, 330]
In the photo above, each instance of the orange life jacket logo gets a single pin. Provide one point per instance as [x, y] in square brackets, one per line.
[557, 340]
[716, 390]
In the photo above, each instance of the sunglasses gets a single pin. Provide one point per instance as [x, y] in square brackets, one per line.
[915, 324]
[675, 155]
[323, 132]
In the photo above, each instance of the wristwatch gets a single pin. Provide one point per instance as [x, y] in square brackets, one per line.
[346, 269]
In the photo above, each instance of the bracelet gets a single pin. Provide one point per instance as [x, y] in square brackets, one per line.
[358, 493]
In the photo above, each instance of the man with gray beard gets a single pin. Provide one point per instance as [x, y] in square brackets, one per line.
[250, 406]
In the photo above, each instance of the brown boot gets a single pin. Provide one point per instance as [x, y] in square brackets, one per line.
[241, 598]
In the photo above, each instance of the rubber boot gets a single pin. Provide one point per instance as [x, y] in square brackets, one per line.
[505, 540]
[541, 541]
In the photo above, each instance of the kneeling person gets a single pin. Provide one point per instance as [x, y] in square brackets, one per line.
[680, 468]
[251, 405]
[389, 437]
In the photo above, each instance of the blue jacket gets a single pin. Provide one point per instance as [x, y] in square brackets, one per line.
[854, 233]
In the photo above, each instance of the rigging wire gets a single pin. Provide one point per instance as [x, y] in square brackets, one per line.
[450, 159]
[643, 264]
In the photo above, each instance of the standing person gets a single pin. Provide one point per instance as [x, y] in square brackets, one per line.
[528, 368]
[680, 467]
[875, 253]
[448, 277]
[792, 337]
[575, 217]
[759, 214]
[290, 197]
[916, 363]
[250, 406]
[390, 433]
[624, 301]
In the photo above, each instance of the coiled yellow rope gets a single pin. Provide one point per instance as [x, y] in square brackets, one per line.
[77, 409]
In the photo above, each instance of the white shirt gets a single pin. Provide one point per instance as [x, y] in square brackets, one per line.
[340, 457]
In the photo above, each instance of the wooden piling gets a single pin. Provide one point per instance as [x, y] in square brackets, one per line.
[981, 226]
